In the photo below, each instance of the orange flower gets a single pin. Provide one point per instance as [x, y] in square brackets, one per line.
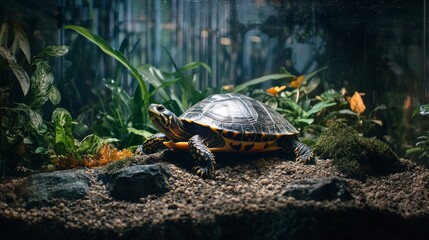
[356, 103]
[275, 90]
[108, 155]
[297, 82]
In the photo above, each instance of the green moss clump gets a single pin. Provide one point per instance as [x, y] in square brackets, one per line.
[354, 155]
[117, 165]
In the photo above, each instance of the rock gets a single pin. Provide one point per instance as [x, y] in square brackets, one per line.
[132, 183]
[318, 189]
[43, 187]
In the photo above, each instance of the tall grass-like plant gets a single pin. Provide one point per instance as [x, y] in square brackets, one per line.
[127, 116]
[106, 48]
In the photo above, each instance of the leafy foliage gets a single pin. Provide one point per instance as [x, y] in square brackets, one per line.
[23, 131]
[421, 149]
[124, 116]
[66, 152]
[296, 101]
[310, 111]
[106, 48]
[363, 123]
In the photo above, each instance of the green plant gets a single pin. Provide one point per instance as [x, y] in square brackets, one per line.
[125, 117]
[176, 90]
[64, 150]
[310, 111]
[421, 149]
[294, 101]
[362, 122]
[117, 55]
[27, 83]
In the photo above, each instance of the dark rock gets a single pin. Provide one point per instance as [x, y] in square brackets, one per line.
[318, 189]
[43, 187]
[132, 183]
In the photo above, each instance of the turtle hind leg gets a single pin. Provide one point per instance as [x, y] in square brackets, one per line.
[301, 151]
[152, 144]
[204, 158]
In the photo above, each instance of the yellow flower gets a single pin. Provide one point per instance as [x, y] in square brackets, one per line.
[228, 87]
[297, 82]
[356, 103]
[275, 90]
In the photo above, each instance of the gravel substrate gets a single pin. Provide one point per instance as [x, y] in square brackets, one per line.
[244, 201]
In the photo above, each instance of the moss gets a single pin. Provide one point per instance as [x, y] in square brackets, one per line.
[117, 165]
[354, 155]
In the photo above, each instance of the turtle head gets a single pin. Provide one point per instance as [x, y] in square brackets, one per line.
[166, 121]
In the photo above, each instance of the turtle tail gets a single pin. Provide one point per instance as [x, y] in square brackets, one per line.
[301, 151]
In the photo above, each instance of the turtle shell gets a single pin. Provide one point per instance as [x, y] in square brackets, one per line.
[240, 118]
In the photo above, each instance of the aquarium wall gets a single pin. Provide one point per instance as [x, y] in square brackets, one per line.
[376, 48]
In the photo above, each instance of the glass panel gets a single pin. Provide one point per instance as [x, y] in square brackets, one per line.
[375, 48]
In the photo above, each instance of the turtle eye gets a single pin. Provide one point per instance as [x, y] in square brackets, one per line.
[160, 108]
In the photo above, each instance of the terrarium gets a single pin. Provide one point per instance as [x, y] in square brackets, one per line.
[199, 119]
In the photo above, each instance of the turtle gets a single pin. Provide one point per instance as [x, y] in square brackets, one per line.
[227, 122]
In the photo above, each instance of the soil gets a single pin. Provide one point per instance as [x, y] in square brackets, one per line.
[244, 201]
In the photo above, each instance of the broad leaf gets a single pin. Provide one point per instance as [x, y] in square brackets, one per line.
[41, 83]
[140, 132]
[41, 150]
[294, 107]
[318, 107]
[105, 47]
[4, 34]
[64, 140]
[54, 95]
[348, 112]
[21, 75]
[90, 145]
[21, 40]
[312, 85]
[194, 65]
[307, 121]
[34, 117]
[262, 79]
[378, 122]
[412, 152]
[424, 109]
[54, 51]
[272, 102]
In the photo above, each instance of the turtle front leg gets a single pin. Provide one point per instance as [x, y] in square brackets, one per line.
[152, 144]
[301, 151]
[204, 158]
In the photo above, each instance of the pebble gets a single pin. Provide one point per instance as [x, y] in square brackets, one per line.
[265, 181]
[235, 188]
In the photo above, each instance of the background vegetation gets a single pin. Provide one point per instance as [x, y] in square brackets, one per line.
[61, 105]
